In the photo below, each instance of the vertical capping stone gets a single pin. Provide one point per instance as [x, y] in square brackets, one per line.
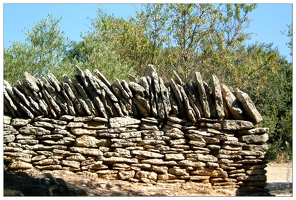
[231, 102]
[218, 99]
[249, 106]
[31, 81]
[202, 95]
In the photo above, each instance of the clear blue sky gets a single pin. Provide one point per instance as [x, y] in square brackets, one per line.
[268, 20]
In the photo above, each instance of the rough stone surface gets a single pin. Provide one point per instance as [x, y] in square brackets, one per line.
[145, 131]
[217, 93]
[236, 125]
[248, 106]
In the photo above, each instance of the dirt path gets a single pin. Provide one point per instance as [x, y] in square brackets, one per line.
[280, 178]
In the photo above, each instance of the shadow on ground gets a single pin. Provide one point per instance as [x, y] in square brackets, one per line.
[280, 188]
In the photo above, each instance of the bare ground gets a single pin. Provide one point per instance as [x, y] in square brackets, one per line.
[280, 179]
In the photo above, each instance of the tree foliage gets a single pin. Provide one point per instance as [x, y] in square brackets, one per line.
[42, 52]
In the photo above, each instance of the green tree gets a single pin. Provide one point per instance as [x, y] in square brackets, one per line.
[42, 52]
[97, 50]
[184, 37]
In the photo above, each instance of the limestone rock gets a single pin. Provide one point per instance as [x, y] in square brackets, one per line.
[174, 133]
[76, 157]
[159, 169]
[189, 110]
[179, 98]
[48, 161]
[158, 162]
[177, 171]
[102, 78]
[86, 151]
[71, 163]
[120, 160]
[123, 175]
[236, 125]
[254, 139]
[82, 131]
[31, 82]
[147, 154]
[20, 122]
[202, 157]
[165, 97]
[174, 157]
[202, 95]
[87, 141]
[137, 88]
[117, 122]
[248, 106]
[31, 130]
[217, 94]
[254, 131]
[231, 102]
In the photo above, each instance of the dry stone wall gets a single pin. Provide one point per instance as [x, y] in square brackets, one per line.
[142, 131]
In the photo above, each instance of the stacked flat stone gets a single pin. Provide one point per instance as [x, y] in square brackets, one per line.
[225, 154]
[142, 131]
